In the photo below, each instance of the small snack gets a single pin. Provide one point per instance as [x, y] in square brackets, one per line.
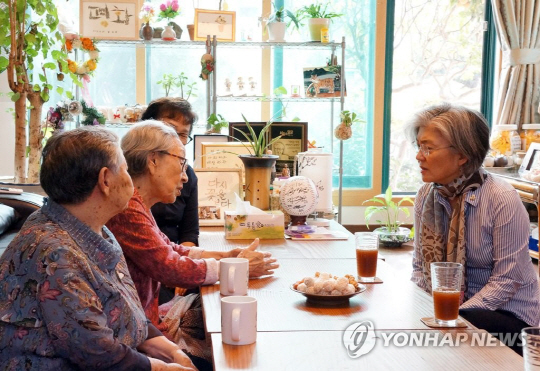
[325, 284]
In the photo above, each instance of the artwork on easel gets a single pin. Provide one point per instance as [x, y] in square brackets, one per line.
[323, 82]
[115, 20]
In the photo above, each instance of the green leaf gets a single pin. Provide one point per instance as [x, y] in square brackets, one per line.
[15, 97]
[388, 195]
[45, 96]
[50, 65]
[69, 94]
[36, 87]
[56, 54]
[3, 63]
[30, 38]
[280, 90]
[42, 78]
[60, 90]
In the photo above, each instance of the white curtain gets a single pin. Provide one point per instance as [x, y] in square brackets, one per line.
[518, 23]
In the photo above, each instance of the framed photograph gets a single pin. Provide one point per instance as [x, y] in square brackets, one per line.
[294, 139]
[223, 155]
[323, 82]
[217, 188]
[112, 20]
[256, 126]
[208, 138]
[220, 23]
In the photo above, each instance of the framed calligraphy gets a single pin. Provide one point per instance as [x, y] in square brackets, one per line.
[197, 148]
[223, 155]
[216, 190]
[294, 139]
[110, 20]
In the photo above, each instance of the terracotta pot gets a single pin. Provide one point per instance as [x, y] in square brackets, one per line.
[147, 31]
[258, 174]
[191, 30]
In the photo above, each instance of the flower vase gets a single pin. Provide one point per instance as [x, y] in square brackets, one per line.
[147, 31]
[258, 172]
[168, 34]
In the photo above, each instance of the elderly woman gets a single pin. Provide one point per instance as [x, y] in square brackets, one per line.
[67, 300]
[465, 215]
[157, 164]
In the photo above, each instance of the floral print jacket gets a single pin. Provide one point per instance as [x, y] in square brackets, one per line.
[67, 300]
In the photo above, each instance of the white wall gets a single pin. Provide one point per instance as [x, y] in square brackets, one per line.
[7, 130]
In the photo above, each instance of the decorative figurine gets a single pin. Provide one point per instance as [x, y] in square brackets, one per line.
[228, 85]
[240, 83]
[252, 84]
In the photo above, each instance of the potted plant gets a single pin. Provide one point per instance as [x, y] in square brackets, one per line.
[391, 234]
[318, 18]
[277, 25]
[169, 81]
[216, 122]
[169, 11]
[344, 130]
[258, 165]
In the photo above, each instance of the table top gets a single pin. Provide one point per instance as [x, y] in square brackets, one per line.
[324, 350]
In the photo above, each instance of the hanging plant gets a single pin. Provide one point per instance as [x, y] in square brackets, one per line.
[344, 130]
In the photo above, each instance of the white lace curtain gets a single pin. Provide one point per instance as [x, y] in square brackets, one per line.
[518, 28]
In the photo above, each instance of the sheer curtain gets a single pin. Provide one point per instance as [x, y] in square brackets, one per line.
[518, 23]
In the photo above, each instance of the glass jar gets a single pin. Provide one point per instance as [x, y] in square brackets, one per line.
[531, 135]
[505, 140]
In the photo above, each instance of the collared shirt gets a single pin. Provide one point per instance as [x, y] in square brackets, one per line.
[500, 274]
[67, 300]
[180, 220]
[153, 259]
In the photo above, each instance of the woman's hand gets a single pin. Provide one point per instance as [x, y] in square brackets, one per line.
[161, 349]
[260, 263]
[159, 365]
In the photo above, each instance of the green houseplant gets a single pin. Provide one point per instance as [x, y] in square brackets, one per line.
[391, 234]
[277, 25]
[170, 81]
[258, 165]
[216, 122]
[318, 17]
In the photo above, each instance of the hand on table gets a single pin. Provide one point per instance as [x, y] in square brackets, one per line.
[260, 263]
[159, 365]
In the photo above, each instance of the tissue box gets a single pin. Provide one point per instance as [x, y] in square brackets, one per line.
[248, 227]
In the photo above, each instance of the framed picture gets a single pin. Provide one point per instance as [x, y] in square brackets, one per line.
[294, 139]
[323, 82]
[256, 126]
[216, 190]
[531, 161]
[208, 138]
[223, 155]
[112, 20]
[222, 24]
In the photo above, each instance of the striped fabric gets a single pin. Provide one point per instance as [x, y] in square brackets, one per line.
[500, 274]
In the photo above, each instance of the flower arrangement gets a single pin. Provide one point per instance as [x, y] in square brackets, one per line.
[86, 45]
[91, 115]
[169, 10]
[147, 13]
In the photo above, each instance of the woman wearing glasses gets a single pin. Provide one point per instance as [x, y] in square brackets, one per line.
[156, 162]
[465, 215]
[178, 220]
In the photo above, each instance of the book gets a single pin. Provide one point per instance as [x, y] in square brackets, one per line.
[320, 233]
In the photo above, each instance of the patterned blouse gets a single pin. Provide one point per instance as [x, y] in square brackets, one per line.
[153, 259]
[67, 300]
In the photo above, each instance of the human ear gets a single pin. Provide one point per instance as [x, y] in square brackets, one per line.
[104, 181]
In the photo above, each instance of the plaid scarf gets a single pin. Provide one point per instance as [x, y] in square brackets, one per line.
[437, 243]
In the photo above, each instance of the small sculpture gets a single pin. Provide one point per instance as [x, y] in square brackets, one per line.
[240, 83]
[252, 83]
[285, 172]
[228, 85]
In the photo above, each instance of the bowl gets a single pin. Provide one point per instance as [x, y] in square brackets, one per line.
[330, 299]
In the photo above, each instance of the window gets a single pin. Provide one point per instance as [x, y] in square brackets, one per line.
[437, 57]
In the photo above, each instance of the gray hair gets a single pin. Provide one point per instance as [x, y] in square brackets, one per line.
[467, 131]
[73, 159]
[143, 139]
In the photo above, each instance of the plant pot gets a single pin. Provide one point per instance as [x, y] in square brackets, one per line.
[315, 25]
[147, 32]
[277, 31]
[191, 30]
[168, 34]
[393, 239]
[258, 172]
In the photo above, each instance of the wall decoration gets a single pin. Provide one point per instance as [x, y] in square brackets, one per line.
[223, 155]
[530, 167]
[235, 134]
[197, 148]
[293, 141]
[112, 20]
[216, 190]
[322, 82]
[222, 24]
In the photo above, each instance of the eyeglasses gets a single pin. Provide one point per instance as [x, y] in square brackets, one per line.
[183, 161]
[426, 151]
[185, 137]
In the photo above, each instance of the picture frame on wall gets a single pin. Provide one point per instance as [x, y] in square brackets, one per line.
[216, 193]
[220, 23]
[235, 134]
[294, 139]
[323, 82]
[110, 20]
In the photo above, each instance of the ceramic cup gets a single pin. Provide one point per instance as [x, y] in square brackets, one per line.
[233, 276]
[238, 320]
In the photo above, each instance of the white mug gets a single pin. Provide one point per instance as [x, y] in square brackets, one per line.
[238, 320]
[233, 276]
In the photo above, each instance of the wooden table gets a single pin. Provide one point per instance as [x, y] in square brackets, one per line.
[295, 334]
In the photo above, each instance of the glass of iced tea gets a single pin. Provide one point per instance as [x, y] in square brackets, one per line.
[367, 251]
[446, 290]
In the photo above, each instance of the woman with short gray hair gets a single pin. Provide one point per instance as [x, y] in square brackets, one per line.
[157, 164]
[463, 214]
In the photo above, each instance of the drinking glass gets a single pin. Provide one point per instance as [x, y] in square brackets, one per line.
[446, 290]
[367, 251]
[530, 339]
